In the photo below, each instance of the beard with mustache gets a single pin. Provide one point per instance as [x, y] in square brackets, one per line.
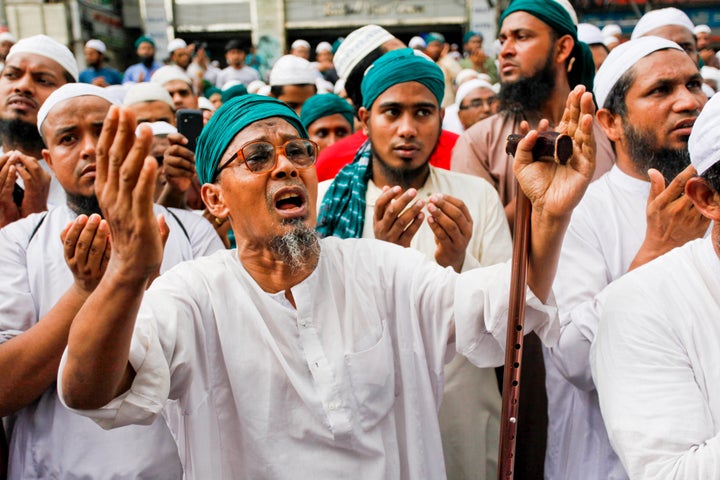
[645, 154]
[297, 248]
[528, 94]
[83, 205]
[17, 134]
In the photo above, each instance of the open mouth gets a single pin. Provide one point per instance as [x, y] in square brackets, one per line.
[289, 201]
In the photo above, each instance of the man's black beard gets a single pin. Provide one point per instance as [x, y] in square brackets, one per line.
[83, 205]
[528, 94]
[646, 155]
[298, 248]
[21, 135]
[147, 60]
[405, 177]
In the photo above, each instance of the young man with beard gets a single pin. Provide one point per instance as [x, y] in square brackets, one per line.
[392, 193]
[97, 73]
[41, 296]
[655, 355]
[35, 67]
[291, 356]
[541, 61]
[650, 93]
[142, 71]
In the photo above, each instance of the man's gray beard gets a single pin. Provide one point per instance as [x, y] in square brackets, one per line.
[646, 155]
[18, 134]
[528, 94]
[298, 248]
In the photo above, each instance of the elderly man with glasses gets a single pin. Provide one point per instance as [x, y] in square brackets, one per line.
[291, 356]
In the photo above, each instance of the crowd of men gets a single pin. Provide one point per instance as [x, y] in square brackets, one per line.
[317, 286]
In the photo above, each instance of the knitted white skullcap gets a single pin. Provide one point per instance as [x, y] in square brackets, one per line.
[175, 44]
[66, 92]
[158, 128]
[323, 47]
[96, 44]
[661, 18]
[590, 34]
[701, 29]
[300, 43]
[169, 73]
[48, 48]
[357, 46]
[292, 70]
[7, 37]
[622, 58]
[147, 92]
[704, 144]
[468, 87]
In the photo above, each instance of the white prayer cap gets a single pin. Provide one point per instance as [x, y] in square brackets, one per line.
[96, 44]
[417, 42]
[147, 92]
[590, 34]
[622, 58]
[255, 85]
[710, 73]
[292, 70]
[702, 29]
[169, 73]
[610, 42]
[158, 128]
[357, 46]
[464, 75]
[66, 92]
[117, 92]
[299, 44]
[264, 91]
[205, 104]
[7, 37]
[48, 48]
[175, 44]
[661, 18]
[469, 86]
[569, 8]
[707, 90]
[229, 84]
[323, 47]
[611, 30]
[704, 143]
[324, 86]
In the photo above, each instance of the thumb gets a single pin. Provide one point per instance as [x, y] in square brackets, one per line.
[657, 184]
[164, 229]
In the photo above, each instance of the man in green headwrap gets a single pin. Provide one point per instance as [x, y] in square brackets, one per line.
[540, 61]
[328, 118]
[291, 356]
[454, 219]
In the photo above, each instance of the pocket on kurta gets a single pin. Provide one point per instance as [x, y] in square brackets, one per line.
[372, 375]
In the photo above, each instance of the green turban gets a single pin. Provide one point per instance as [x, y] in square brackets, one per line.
[400, 66]
[324, 105]
[554, 14]
[229, 120]
[210, 91]
[234, 91]
[144, 39]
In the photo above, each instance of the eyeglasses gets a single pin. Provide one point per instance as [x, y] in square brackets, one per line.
[479, 102]
[260, 156]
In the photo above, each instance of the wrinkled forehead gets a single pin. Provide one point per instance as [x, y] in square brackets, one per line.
[274, 130]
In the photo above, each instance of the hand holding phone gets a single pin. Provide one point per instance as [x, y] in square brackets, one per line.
[189, 124]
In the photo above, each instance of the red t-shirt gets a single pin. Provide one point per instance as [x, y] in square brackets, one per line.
[336, 156]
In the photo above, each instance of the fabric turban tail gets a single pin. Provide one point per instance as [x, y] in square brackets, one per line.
[324, 105]
[400, 66]
[231, 118]
[557, 17]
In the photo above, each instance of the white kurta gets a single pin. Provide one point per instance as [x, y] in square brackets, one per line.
[655, 361]
[47, 440]
[470, 412]
[345, 386]
[605, 233]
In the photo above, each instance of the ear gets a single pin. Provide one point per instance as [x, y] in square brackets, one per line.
[364, 115]
[214, 199]
[705, 199]
[610, 123]
[48, 158]
[564, 47]
[442, 114]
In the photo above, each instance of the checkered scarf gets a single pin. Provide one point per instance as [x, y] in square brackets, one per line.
[342, 213]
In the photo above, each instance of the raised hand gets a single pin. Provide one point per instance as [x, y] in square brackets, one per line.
[393, 220]
[86, 246]
[672, 219]
[450, 221]
[125, 188]
[37, 183]
[179, 170]
[554, 189]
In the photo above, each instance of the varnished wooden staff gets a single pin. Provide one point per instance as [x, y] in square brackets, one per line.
[550, 146]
